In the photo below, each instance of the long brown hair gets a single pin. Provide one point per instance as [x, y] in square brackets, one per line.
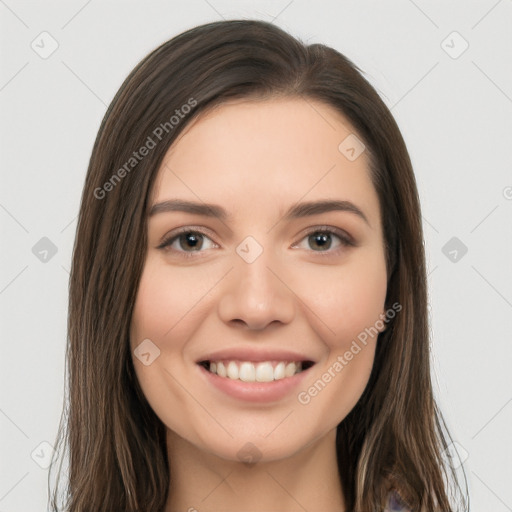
[395, 435]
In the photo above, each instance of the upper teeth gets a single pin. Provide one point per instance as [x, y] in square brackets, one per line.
[255, 372]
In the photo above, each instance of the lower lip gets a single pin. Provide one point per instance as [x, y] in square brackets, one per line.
[255, 391]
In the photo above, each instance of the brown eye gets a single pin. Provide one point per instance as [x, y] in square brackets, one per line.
[324, 240]
[190, 240]
[321, 240]
[186, 241]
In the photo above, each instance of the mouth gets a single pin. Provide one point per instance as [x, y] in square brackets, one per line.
[255, 371]
[264, 381]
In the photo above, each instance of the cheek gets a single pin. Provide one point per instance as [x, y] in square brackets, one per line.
[348, 299]
[154, 311]
[164, 314]
[166, 301]
[156, 317]
[345, 306]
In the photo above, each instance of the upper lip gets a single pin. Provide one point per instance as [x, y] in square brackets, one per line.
[253, 354]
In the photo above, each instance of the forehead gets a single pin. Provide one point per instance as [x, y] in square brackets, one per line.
[267, 152]
[271, 124]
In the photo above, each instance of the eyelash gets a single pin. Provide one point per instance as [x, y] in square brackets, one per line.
[346, 241]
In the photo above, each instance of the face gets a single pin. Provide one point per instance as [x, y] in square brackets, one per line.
[258, 286]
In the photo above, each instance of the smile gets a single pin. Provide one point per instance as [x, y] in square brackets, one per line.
[239, 379]
[264, 371]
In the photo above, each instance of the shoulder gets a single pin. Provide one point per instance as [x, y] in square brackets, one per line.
[396, 503]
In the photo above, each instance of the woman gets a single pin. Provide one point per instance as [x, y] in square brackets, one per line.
[248, 321]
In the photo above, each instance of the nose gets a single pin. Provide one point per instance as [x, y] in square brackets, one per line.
[257, 294]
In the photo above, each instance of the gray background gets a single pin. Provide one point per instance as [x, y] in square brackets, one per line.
[454, 108]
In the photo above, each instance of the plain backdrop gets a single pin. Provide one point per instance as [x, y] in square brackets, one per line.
[444, 69]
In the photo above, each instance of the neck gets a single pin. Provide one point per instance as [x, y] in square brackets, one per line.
[203, 482]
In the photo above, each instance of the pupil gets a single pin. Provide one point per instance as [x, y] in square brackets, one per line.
[321, 239]
[192, 239]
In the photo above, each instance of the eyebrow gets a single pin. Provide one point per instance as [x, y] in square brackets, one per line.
[297, 211]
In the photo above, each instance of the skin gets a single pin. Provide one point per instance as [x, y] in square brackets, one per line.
[256, 159]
